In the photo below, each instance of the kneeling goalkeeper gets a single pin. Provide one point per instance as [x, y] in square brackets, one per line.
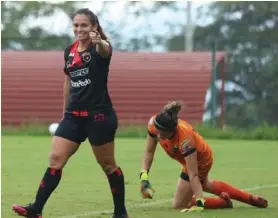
[183, 144]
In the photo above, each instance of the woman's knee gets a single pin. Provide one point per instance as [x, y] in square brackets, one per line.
[207, 185]
[183, 194]
[108, 164]
[56, 160]
[180, 205]
[105, 157]
[176, 205]
[61, 150]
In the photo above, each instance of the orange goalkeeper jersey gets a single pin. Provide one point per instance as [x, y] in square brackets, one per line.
[178, 146]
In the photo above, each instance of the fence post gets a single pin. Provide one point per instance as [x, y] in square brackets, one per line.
[213, 87]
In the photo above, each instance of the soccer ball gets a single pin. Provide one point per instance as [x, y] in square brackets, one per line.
[52, 128]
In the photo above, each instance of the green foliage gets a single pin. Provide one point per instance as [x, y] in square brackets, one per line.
[248, 32]
[16, 34]
[147, 38]
[263, 132]
[32, 128]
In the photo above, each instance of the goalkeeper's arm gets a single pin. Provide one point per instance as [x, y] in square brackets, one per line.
[145, 187]
[192, 168]
[147, 160]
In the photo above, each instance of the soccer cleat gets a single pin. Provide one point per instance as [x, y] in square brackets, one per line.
[225, 196]
[120, 216]
[258, 201]
[27, 211]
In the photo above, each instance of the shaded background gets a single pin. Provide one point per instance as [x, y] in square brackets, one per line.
[247, 31]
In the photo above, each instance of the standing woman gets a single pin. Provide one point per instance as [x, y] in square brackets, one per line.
[88, 114]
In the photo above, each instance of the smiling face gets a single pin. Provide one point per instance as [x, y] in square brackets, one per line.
[82, 26]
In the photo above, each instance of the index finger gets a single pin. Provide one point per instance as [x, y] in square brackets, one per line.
[92, 34]
[96, 32]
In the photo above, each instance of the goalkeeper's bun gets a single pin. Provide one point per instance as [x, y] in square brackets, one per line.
[168, 117]
[173, 107]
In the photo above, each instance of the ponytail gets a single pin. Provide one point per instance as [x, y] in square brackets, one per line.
[101, 32]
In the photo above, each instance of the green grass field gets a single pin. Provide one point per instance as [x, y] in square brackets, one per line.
[84, 190]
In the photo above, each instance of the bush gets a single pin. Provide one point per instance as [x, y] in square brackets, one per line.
[263, 132]
[31, 128]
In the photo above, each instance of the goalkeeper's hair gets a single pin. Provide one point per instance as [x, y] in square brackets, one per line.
[168, 116]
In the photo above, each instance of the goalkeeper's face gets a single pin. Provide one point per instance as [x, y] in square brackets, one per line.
[165, 135]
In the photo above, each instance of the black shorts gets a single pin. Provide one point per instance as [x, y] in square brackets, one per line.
[99, 128]
[184, 176]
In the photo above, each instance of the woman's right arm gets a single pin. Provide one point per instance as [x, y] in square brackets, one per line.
[148, 156]
[66, 92]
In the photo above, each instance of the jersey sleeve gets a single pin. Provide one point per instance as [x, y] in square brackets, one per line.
[151, 128]
[187, 143]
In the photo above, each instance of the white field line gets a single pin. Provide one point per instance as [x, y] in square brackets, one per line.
[151, 203]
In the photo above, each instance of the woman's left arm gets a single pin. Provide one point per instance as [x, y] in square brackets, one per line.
[103, 48]
[192, 168]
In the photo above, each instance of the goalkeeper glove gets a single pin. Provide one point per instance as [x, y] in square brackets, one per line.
[199, 207]
[145, 187]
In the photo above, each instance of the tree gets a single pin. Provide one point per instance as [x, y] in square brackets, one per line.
[15, 34]
[145, 38]
[248, 31]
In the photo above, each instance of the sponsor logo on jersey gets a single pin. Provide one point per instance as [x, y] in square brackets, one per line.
[81, 72]
[80, 83]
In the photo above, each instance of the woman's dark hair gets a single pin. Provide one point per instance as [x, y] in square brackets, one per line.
[167, 119]
[93, 19]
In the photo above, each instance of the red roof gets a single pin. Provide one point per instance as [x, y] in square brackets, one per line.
[139, 84]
